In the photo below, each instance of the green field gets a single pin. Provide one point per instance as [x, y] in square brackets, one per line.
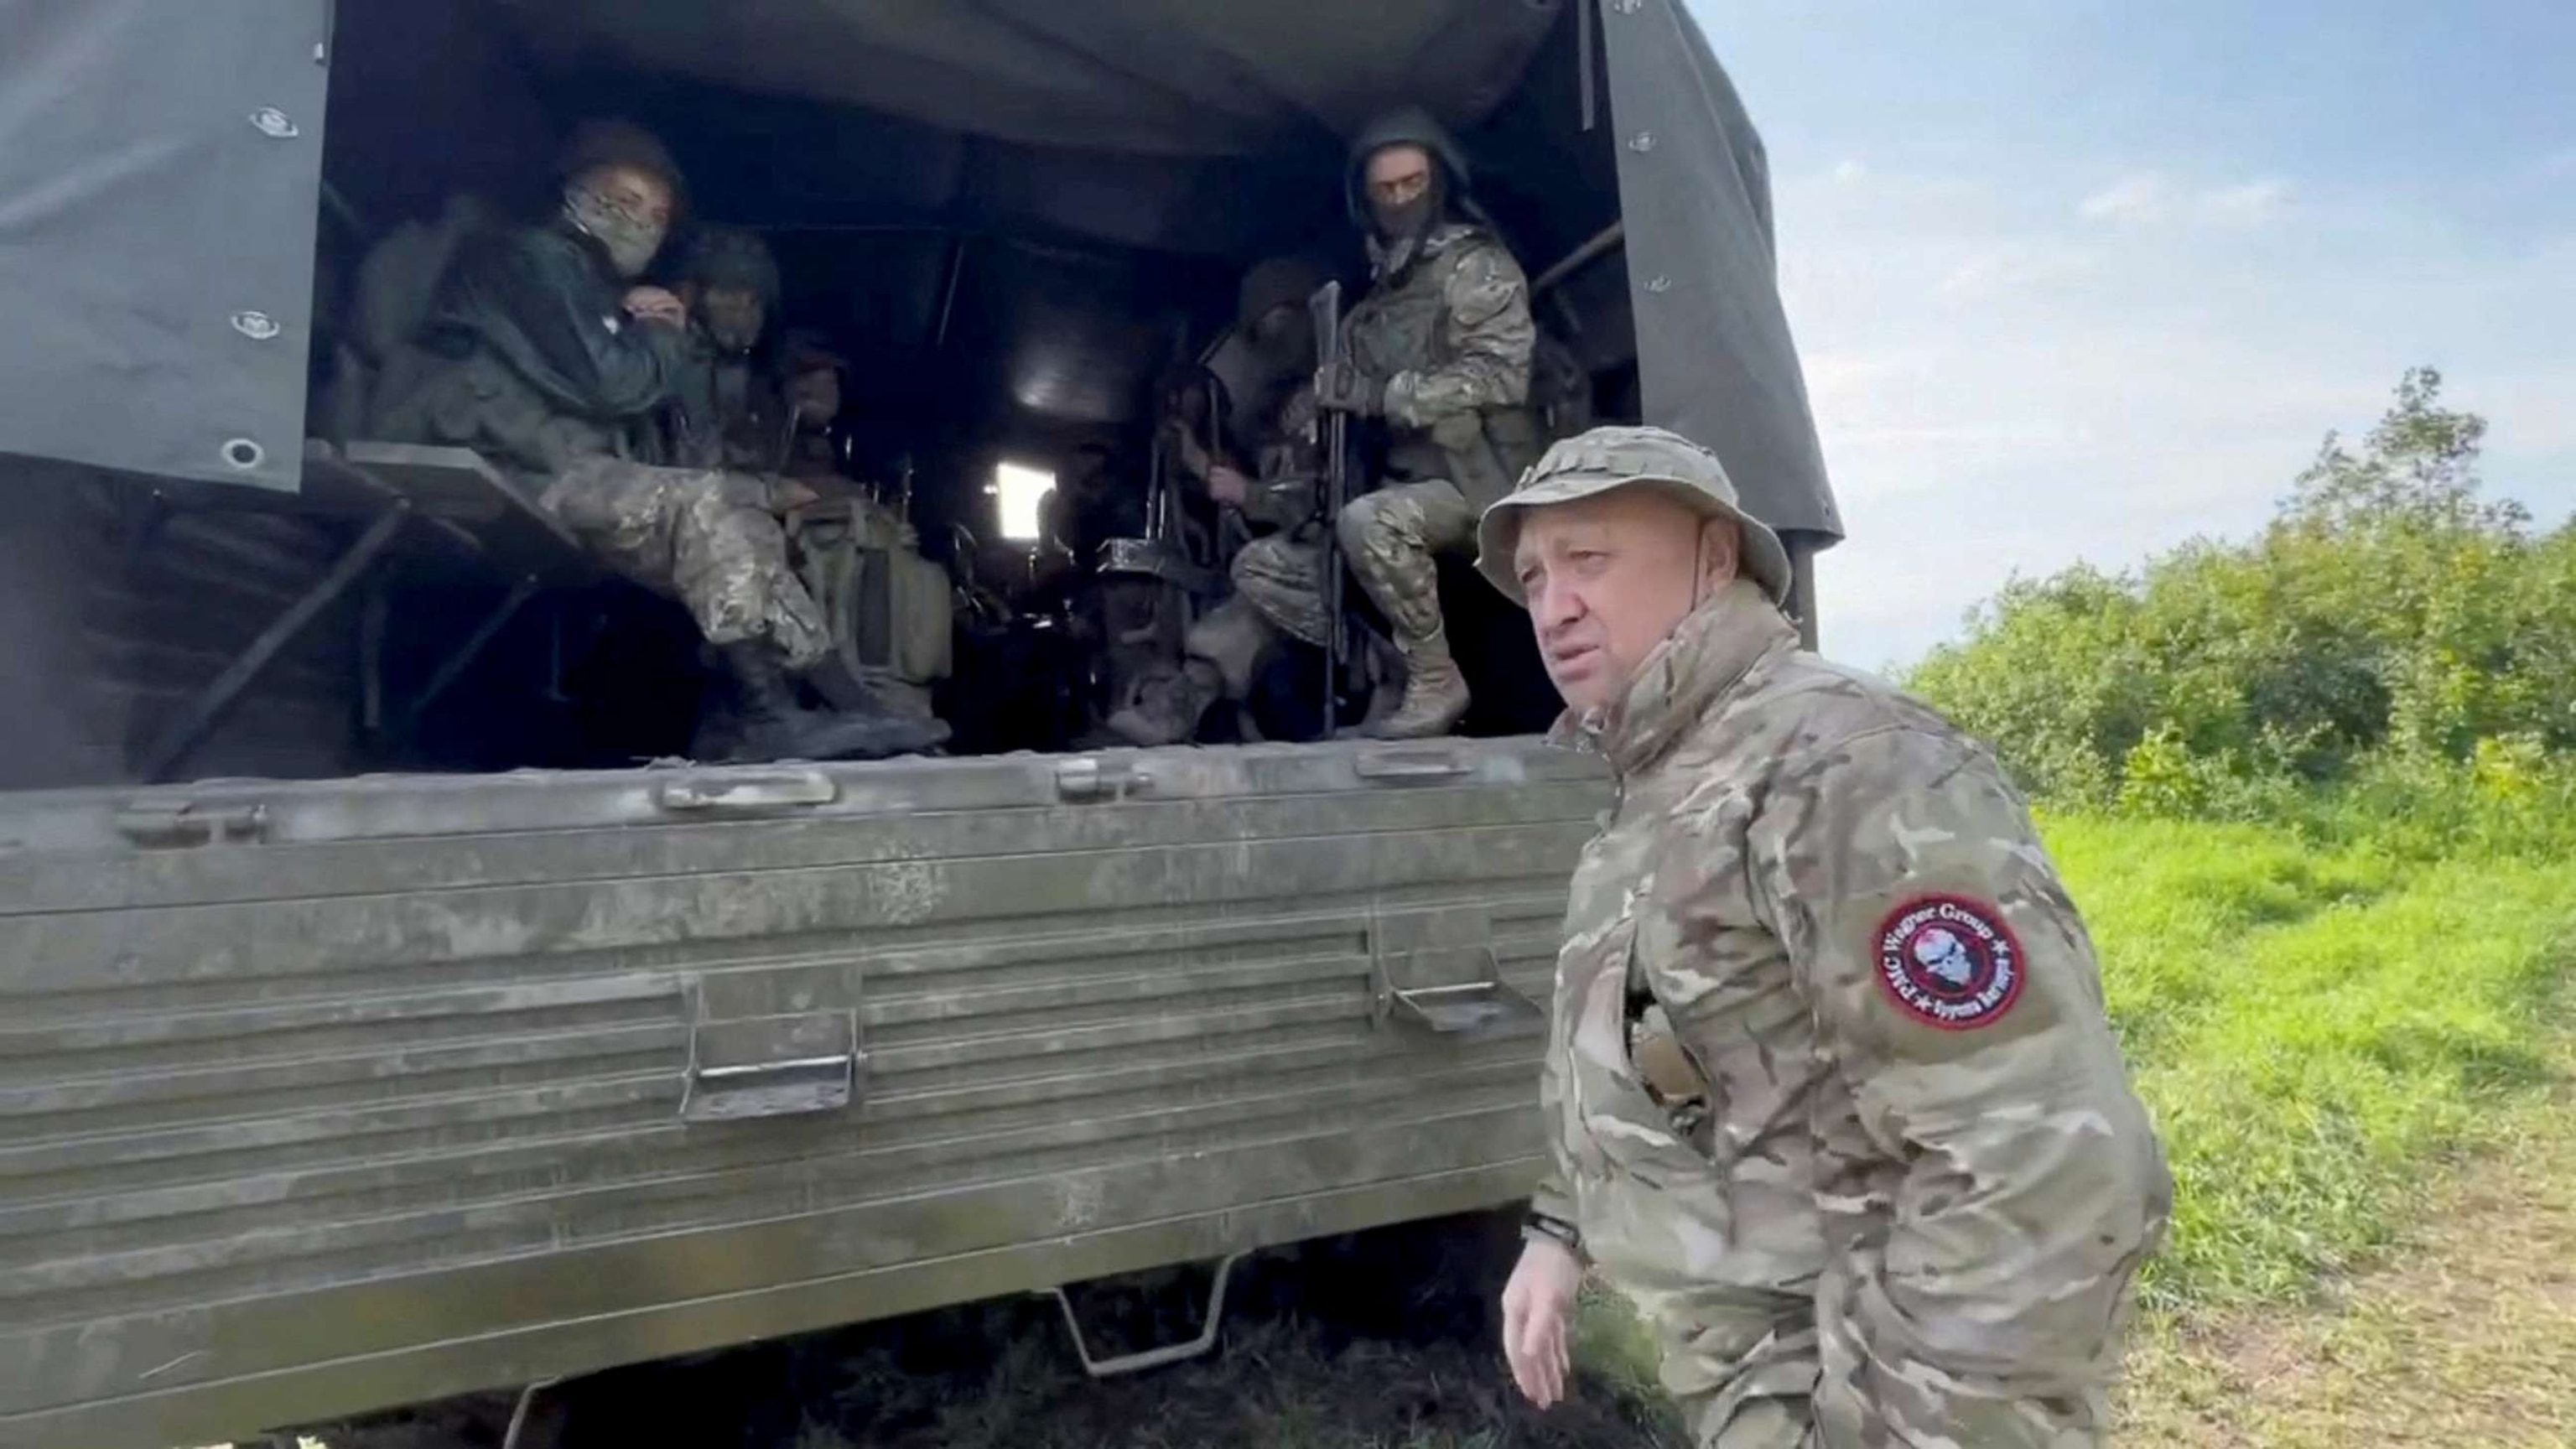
[2313, 1029]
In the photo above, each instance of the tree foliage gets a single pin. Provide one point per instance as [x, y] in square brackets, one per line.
[2390, 630]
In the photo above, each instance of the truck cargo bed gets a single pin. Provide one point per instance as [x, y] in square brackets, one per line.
[318, 1097]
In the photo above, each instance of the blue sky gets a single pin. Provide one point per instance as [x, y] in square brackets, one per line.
[2077, 279]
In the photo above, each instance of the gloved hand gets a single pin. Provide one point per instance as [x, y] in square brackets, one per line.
[1342, 388]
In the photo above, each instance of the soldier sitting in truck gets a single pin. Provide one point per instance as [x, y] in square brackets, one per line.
[541, 353]
[1270, 485]
[1438, 352]
[892, 610]
[726, 411]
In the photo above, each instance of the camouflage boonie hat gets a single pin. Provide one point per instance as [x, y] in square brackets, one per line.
[1614, 457]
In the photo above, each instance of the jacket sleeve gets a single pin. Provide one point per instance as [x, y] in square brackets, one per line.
[542, 314]
[1490, 338]
[1999, 1183]
[1554, 1195]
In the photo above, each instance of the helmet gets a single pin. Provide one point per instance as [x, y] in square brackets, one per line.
[1277, 282]
[728, 258]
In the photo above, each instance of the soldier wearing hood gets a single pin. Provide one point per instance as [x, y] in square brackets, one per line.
[1439, 353]
[542, 353]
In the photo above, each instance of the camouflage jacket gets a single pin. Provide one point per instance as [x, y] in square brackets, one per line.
[1283, 496]
[1447, 331]
[1829, 1088]
[528, 355]
[723, 412]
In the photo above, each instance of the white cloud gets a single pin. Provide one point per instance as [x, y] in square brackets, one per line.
[2014, 266]
[2150, 197]
[1851, 170]
[2144, 197]
[2243, 204]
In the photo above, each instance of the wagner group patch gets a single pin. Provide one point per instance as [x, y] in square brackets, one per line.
[1949, 962]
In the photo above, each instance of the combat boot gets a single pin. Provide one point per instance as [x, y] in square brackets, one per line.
[1435, 693]
[772, 724]
[1167, 709]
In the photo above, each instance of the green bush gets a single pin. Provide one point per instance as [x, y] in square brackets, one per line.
[2386, 627]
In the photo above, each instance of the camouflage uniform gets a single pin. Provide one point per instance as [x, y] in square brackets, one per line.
[725, 410]
[1448, 334]
[1829, 1087]
[708, 538]
[1279, 575]
[1445, 341]
[528, 356]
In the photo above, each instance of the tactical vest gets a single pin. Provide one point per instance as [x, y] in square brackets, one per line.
[1402, 326]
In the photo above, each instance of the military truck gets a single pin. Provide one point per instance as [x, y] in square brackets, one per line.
[386, 1017]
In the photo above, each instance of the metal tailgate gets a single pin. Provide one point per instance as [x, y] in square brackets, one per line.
[319, 1097]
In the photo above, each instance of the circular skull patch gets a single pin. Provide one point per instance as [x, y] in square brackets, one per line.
[1949, 962]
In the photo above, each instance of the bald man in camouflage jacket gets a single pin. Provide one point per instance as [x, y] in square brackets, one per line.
[1829, 1086]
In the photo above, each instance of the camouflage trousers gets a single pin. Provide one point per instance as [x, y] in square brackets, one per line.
[707, 539]
[1392, 537]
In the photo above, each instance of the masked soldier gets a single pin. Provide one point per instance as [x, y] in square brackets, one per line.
[1439, 352]
[541, 353]
[724, 412]
[1271, 484]
[1829, 1088]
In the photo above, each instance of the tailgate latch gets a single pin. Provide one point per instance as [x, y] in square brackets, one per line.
[162, 823]
[1093, 778]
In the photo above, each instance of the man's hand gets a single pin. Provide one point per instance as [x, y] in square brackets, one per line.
[786, 495]
[1538, 1317]
[654, 304]
[1341, 387]
[1228, 486]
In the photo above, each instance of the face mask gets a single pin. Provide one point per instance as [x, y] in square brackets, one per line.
[1407, 220]
[631, 240]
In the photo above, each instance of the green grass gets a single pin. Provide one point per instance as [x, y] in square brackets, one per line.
[2312, 1028]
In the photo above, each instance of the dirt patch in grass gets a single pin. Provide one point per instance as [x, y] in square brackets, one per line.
[2464, 1333]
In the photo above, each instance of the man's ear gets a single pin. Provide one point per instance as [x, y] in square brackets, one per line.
[1721, 549]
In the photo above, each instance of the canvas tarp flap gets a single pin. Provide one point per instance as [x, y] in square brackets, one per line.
[1146, 77]
[1713, 348]
[159, 165]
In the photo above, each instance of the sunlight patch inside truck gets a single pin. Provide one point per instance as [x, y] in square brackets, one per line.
[1020, 492]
